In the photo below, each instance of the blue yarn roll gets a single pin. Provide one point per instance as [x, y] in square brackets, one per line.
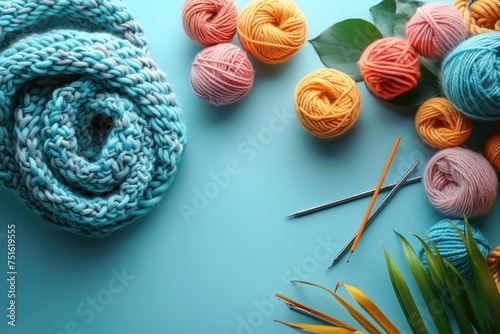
[451, 247]
[470, 77]
[91, 135]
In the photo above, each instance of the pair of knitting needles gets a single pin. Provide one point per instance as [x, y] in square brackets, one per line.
[369, 216]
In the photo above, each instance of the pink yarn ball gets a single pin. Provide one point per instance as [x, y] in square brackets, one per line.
[210, 22]
[459, 181]
[222, 74]
[436, 29]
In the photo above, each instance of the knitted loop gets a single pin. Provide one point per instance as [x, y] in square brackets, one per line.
[90, 133]
[480, 16]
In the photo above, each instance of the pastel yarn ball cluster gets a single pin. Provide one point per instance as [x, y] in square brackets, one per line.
[480, 16]
[451, 247]
[436, 29]
[272, 31]
[327, 102]
[470, 77]
[460, 182]
[222, 74]
[440, 125]
[390, 67]
[210, 22]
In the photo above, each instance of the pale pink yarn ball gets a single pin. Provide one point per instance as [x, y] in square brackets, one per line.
[460, 182]
[210, 22]
[222, 74]
[435, 30]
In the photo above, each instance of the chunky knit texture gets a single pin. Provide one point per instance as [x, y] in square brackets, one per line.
[90, 133]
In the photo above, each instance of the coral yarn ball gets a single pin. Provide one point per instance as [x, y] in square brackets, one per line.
[327, 103]
[492, 151]
[210, 22]
[460, 182]
[222, 74]
[440, 125]
[390, 67]
[272, 30]
[436, 29]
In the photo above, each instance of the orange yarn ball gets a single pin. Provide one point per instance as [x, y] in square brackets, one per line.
[480, 16]
[492, 151]
[210, 22]
[272, 30]
[390, 67]
[440, 125]
[493, 261]
[327, 102]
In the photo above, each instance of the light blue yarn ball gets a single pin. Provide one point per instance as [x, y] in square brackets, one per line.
[470, 77]
[451, 247]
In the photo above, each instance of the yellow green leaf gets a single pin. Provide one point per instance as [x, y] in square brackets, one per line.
[318, 315]
[320, 329]
[361, 319]
[369, 306]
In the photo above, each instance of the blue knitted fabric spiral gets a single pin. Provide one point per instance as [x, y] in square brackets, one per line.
[470, 77]
[451, 246]
[91, 135]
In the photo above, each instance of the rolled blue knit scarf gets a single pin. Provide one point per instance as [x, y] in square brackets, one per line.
[91, 135]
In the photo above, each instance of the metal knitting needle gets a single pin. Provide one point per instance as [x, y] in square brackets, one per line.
[349, 198]
[377, 210]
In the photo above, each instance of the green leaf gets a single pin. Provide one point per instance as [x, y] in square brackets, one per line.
[404, 11]
[429, 68]
[485, 285]
[391, 16]
[475, 309]
[404, 296]
[384, 14]
[424, 283]
[341, 45]
[448, 289]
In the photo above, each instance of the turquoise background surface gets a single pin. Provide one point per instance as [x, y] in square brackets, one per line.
[217, 268]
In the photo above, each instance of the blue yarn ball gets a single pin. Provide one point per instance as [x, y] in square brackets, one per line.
[451, 247]
[470, 77]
